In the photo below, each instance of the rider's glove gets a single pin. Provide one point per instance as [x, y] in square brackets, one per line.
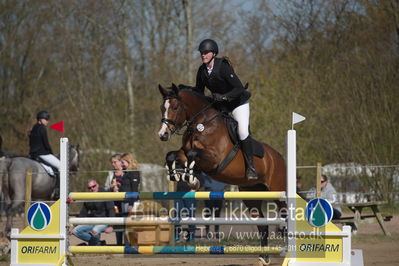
[217, 97]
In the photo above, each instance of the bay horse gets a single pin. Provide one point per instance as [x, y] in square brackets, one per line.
[206, 143]
[12, 182]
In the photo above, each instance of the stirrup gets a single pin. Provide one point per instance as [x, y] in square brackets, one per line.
[250, 173]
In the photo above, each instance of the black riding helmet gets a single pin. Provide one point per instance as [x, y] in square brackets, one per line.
[208, 45]
[43, 115]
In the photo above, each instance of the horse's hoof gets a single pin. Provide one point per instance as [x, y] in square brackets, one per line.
[264, 260]
[196, 184]
[169, 178]
[183, 177]
[176, 176]
[191, 179]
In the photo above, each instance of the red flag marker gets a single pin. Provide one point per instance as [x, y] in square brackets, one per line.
[59, 127]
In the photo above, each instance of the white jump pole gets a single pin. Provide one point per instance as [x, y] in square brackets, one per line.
[291, 184]
[64, 188]
[291, 190]
[131, 221]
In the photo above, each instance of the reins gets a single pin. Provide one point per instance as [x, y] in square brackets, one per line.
[188, 123]
[200, 112]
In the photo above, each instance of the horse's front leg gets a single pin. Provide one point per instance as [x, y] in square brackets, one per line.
[189, 176]
[175, 165]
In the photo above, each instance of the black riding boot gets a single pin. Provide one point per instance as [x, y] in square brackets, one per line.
[246, 146]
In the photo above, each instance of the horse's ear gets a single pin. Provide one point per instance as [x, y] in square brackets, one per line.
[163, 91]
[175, 89]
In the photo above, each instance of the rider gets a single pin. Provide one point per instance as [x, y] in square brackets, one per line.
[38, 141]
[218, 76]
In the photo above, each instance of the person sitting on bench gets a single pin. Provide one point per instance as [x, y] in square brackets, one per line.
[92, 233]
[329, 193]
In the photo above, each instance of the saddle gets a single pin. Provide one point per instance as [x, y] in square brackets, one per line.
[51, 171]
[232, 126]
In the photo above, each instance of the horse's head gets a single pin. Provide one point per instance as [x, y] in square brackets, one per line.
[74, 155]
[173, 114]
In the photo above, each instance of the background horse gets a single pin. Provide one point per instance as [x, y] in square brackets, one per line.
[206, 143]
[13, 174]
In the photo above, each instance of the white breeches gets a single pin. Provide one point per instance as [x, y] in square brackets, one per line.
[51, 160]
[241, 115]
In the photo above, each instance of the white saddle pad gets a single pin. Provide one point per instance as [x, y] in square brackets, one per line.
[48, 169]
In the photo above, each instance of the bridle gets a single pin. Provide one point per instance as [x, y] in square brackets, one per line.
[186, 123]
[169, 122]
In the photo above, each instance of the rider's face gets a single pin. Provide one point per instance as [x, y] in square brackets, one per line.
[43, 121]
[207, 56]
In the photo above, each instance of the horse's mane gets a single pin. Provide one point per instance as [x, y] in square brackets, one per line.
[191, 90]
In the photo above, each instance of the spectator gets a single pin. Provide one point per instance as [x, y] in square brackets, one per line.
[298, 184]
[128, 183]
[112, 183]
[299, 191]
[129, 165]
[131, 178]
[329, 193]
[214, 206]
[128, 161]
[92, 233]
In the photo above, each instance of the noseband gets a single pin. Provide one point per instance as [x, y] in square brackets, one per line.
[167, 122]
[187, 124]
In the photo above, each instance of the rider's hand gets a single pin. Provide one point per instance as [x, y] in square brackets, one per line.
[217, 97]
[109, 229]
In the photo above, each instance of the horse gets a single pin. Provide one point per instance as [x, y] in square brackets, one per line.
[12, 178]
[206, 143]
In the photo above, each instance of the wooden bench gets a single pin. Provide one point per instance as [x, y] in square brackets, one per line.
[359, 218]
[350, 220]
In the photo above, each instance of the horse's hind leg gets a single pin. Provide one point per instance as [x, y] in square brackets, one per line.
[263, 230]
[10, 212]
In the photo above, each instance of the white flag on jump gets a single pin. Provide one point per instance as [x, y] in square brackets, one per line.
[296, 118]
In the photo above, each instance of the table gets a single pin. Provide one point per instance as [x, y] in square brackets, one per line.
[359, 218]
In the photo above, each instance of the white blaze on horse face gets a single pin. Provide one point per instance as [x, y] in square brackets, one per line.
[164, 127]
